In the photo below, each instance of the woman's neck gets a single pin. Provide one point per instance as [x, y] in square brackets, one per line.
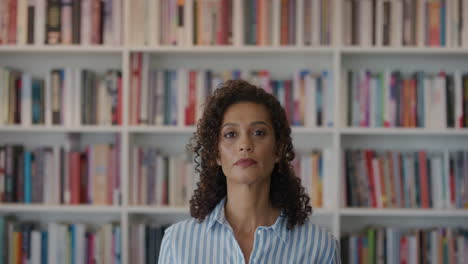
[248, 207]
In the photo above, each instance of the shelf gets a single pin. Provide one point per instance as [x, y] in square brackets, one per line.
[402, 50]
[61, 129]
[408, 212]
[403, 131]
[60, 49]
[162, 129]
[185, 210]
[234, 50]
[192, 129]
[157, 210]
[39, 208]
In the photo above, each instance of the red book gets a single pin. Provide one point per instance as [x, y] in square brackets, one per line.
[369, 154]
[423, 178]
[74, 170]
[13, 7]
[403, 250]
[190, 107]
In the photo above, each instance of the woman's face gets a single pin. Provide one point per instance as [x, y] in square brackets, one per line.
[247, 143]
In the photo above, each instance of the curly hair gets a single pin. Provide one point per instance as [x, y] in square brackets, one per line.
[286, 191]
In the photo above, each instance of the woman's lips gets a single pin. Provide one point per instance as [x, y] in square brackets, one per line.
[244, 163]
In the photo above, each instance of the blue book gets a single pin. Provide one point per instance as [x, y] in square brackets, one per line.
[3, 249]
[443, 18]
[167, 97]
[420, 100]
[328, 77]
[72, 230]
[27, 177]
[44, 238]
[174, 105]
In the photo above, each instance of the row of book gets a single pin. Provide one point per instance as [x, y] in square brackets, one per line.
[289, 22]
[58, 243]
[145, 242]
[161, 179]
[60, 175]
[396, 245]
[395, 99]
[212, 22]
[86, 22]
[67, 96]
[176, 97]
[406, 179]
[312, 168]
[441, 23]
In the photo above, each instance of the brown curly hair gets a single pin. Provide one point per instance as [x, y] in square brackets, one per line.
[286, 191]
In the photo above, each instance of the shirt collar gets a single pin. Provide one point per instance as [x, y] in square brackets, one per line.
[218, 216]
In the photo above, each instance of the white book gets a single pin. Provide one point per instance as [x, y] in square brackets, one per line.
[439, 102]
[86, 10]
[379, 23]
[66, 22]
[160, 98]
[276, 22]
[436, 180]
[35, 246]
[26, 100]
[201, 94]
[160, 172]
[420, 26]
[3, 97]
[80, 243]
[52, 243]
[458, 99]
[153, 23]
[134, 179]
[397, 23]
[144, 89]
[413, 250]
[310, 93]
[21, 22]
[172, 181]
[189, 22]
[182, 93]
[77, 88]
[328, 183]
[464, 18]
[365, 22]
[39, 23]
[299, 23]
[428, 102]
[68, 98]
[316, 25]
[107, 243]
[117, 18]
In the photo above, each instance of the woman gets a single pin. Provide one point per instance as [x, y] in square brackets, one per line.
[248, 207]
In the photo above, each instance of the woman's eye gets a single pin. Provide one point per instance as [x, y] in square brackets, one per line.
[229, 134]
[259, 132]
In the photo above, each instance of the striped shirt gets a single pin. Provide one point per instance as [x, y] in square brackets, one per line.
[213, 241]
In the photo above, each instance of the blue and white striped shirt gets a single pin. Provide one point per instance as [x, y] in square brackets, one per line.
[213, 241]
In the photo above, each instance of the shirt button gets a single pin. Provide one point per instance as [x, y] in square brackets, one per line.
[259, 232]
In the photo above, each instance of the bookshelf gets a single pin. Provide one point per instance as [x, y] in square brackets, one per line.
[280, 61]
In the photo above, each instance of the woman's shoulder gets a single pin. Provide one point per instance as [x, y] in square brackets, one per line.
[318, 236]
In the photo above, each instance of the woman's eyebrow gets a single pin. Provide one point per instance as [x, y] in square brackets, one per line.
[252, 124]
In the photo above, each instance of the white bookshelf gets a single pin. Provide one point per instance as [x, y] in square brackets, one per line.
[281, 61]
